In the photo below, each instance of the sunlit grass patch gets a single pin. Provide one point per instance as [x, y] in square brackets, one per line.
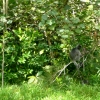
[42, 92]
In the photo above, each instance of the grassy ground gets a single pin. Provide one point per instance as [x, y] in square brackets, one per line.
[41, 92]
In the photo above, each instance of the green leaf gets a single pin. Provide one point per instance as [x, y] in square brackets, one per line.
[78, 30]
[41, 52]
[22, 60]
[3, 19]
[32, 79]
[90, 7]
[75, 20]
[20, 30]
[62, 45]
[27, 54]
[71, 32]
[67, 7]
[64, 36]
[52, 27]
[42, 25]
[44, 17]
[39, 73]
[85, 0]
[81, 26]
[61, 30]
[97, 27]
[50, 22]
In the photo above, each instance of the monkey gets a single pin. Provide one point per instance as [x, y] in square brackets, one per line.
[75, 56]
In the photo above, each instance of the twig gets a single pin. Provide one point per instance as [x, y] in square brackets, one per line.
[81, 65]
[3, 62]
[5, 9]
[61, 70]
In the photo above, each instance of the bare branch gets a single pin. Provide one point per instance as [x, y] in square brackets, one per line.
[61, 70]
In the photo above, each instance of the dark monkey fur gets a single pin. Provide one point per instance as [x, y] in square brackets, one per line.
[75, 55]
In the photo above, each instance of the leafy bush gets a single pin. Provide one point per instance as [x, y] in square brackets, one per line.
[42, 33]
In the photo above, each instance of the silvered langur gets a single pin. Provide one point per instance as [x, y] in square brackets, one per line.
[75, 56]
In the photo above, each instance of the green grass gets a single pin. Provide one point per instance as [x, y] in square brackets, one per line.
[41, 92]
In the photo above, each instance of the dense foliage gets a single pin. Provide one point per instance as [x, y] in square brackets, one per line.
[40, 34]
